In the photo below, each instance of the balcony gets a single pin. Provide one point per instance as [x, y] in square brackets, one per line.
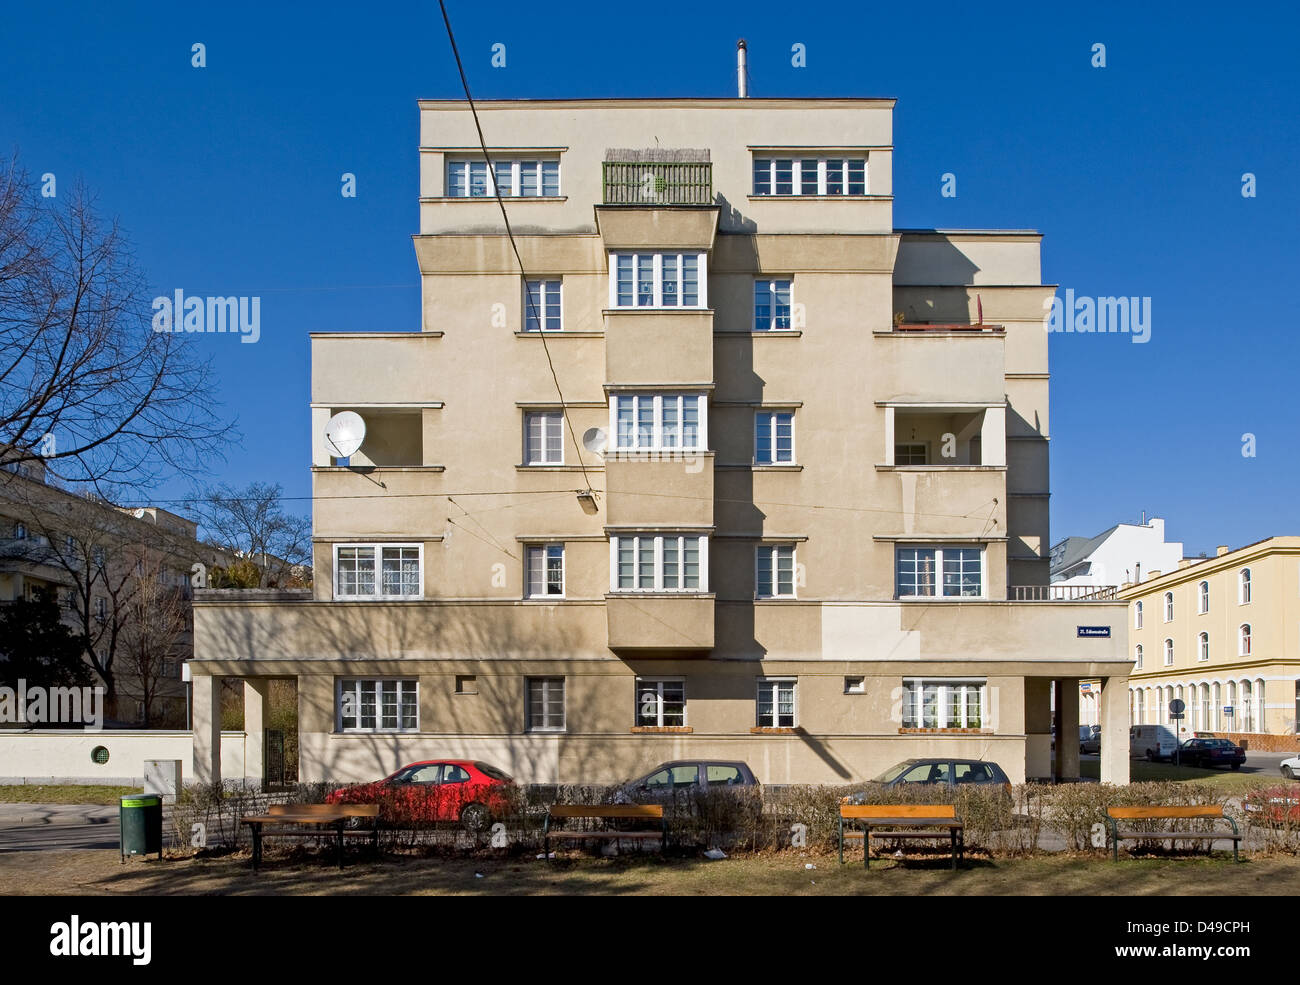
[948, 364]
[658, 347]
[670, 624]
[1063, 593]
[657, 176]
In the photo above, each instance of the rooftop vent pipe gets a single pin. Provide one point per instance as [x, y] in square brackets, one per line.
[742, 70]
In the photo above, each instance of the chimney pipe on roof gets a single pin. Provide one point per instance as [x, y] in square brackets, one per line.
[742, 71]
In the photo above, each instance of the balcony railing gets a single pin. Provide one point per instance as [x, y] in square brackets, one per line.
[1064, 593]
[658, 177]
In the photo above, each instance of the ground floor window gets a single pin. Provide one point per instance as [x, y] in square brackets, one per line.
[545, 704]
[378, 705]
[776, 702]
[943, 703]
[660, 703]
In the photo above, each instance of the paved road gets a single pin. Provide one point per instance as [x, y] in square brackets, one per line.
[56, 827]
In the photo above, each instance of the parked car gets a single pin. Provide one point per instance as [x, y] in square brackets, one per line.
[1291, 767]
[1211, 752]
[686, 775]
[1273, 805]
[463, 790]
[948, 772]
[1089, 738]
[1151, 742]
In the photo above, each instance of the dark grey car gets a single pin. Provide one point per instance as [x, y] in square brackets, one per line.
[682, 775]
[949, 772]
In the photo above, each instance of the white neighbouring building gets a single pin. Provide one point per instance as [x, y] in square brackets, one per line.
[1124, 554]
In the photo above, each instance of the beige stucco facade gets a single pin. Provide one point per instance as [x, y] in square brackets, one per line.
[916, 427]
[1218, 633]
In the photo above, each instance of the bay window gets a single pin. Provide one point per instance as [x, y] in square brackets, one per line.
[658, 421]
[378, 571]
[657, 280]
[658, 562]
[513, 178]
[810, 175]
[918, 570]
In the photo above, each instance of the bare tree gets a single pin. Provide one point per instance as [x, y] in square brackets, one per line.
[251, 522]
[86, 384]
[157, 621]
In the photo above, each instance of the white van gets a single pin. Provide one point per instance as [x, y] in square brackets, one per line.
[1151, 742]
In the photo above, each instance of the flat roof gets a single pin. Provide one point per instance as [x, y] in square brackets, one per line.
[719, 102]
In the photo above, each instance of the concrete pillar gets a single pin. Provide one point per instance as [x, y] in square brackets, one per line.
[993, 437]
[1114, 729]
[207, 729]
[1067, 728]
[1038, 728]
[889, 435]
[256, 690]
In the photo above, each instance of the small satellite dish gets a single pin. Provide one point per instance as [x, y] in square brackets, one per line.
[344, 433]
[593, 439]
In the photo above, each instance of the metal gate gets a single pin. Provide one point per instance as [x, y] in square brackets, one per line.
[274, 757]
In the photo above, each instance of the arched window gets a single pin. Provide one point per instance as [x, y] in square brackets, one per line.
[1204, 720]
[1243, 582]
[1216, 699]
[1247, 708]
[1137, 615]
[1169, 606]
[1232, 723]
[1261, 713]
[1204, 653]
[1243, 648]
[1169, 652]
[1137, 658]
[1203, 594]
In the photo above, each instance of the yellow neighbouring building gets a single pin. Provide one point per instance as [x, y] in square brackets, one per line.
[1223, 635]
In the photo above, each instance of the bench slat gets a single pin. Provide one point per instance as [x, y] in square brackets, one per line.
[1162, 813]
[655, 811]
[928, 811]
[580, 835]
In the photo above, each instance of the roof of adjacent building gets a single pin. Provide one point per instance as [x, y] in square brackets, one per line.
[1077, 549]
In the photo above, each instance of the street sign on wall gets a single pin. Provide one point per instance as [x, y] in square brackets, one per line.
[1093, 632]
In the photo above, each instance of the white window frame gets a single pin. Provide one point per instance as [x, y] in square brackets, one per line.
[643, 685]
[377, 548]
[1169, 651]
[774, 551]
[1244, 581]
[1203, 647]
[544, 552]
[1202, 598]
[544, 679]
[656, 539]
[1245, 645]
[1137, 661]
[923, 445]
[773, 286]
[938, 571]
[797, 160]
[771, 417]
[551, 419]
[544, 310]
[1137, 615]
[657, 296]
[490, 184]
[403, 685]
[777, 683]
[946, 689]
[1169, 606]
[658, 401]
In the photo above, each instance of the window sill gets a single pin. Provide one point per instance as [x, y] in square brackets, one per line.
[561, 334]
[492, 198]
[558, 468]
[651, 309]
[543, 598]
[821, 198]
[371, 469]
[944, 598]
[661, 730]
[945, 731]
[940, 468]
[776, 598]
[769, 730]
[774, 333]
[377, 598]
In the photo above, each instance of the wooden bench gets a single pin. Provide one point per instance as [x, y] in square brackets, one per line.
[605, 812]
[910, 821]
[312, 821]
[1116, 814]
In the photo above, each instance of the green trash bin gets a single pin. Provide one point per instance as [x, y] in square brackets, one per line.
[140, 819]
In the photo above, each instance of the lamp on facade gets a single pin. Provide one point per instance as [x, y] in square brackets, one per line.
[587, 500]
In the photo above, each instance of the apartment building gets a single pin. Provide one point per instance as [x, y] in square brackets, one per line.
[710, 459]
[121, 576]
[1223, 636]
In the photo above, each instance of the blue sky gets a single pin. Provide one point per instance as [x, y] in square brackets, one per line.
[227, 180]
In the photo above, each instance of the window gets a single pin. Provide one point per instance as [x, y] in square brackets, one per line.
[20, 530]
[911, 453]
[1137, 615]
[544, 438]
[660, 703]
[659, 563]
[771, 305]
[1243, 635]
[776, 703]
[684, 776]
[528, 179]
[398, 567]
[657, 280]
[1243, 596]
[466, 684]
[1137, 661]
[943, 704]
[658, 421]
[1169, 653]
[855, 685]
[379, 705]
[1203, 594]
[917, 569]
[810, 176]
[1169, 606]
[774, 571]
[101, 608]
[546, 571]
[545, 704]
[542, 306]
[774, 437]
[1204, 649]
[721, 775]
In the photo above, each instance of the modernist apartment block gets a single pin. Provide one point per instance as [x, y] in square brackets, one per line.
[1223, 636]
[730, 467]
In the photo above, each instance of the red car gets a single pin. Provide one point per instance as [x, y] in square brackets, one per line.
[1274, 805]
[463, 790]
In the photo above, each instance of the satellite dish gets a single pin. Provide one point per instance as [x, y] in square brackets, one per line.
[593, 439]
[344, 433]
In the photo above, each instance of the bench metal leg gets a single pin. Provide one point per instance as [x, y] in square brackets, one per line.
[257, 846]
[953, 834]
[339, 836]
[866, 847]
